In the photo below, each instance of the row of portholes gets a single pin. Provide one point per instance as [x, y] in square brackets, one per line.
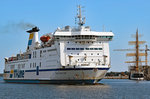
[84, 48]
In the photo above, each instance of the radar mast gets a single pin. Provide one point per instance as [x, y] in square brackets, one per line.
[79, 16]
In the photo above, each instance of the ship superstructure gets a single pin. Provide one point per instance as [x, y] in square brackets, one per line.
[69, 55]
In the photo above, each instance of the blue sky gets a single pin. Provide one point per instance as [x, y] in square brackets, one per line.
[123, 17]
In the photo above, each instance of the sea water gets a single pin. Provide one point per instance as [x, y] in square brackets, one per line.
[107, 89]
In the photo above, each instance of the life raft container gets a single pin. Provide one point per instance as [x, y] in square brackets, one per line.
[45, 38]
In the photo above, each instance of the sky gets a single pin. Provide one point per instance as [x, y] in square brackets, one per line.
[122, 17]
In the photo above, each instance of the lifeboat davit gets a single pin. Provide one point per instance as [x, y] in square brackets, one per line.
[44, 38]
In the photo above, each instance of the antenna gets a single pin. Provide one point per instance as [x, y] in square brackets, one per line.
[79, 16]
[103, 28]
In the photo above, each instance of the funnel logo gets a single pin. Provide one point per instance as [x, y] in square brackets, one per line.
[30, 39]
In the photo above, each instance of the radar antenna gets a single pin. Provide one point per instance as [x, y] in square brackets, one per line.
[79, 15]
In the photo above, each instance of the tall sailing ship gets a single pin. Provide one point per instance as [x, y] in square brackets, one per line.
[69, 55]
[137, 72]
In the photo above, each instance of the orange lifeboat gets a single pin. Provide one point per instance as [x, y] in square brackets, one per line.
[44, 38]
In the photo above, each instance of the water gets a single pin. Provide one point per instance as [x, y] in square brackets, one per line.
[108, 89]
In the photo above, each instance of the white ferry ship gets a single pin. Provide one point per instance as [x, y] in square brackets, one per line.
[69, 55]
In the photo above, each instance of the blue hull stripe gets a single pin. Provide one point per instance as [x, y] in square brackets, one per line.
[88, 81]
[59, 69]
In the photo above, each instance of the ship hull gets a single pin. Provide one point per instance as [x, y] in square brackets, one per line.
[60, 76]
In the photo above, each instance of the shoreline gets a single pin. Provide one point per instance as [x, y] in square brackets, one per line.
[116, 77]
[1, 75]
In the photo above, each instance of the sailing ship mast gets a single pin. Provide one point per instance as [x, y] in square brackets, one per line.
[137, 54]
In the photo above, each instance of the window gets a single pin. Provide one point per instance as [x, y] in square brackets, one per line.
[87, 48]
[91, 53]
[72, 48]
[23, 65]
[81, 48]
[77, 53]
[68, 48]
[40, 64]
[67, 42]
[91, 59]
[84, 53]
[99, 48]
[30, 65]
[77, 48]
[95, 48]
[35, 54]
[40, 53]
[91, 48]
[78, 59]
[97, 53]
